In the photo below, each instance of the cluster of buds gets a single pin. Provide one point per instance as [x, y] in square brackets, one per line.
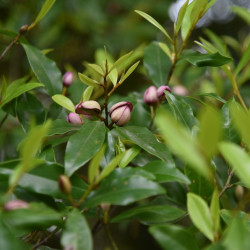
[153, 96]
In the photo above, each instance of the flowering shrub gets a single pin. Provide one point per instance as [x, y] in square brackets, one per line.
[173, 157]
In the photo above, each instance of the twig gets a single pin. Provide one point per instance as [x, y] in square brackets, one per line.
[110, 237]
[227, 184]
[4, 119]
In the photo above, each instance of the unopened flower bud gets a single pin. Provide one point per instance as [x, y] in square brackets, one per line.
[160, 92]
[64, 184]
[74, 118]
[68, 78]
[150, 96]
[23, 29]
[15, 204]
[239, 192]
[105, 206]
[88, 108]
[120, 113]
[180, 90]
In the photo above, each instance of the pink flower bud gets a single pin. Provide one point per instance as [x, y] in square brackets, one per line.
[74, 118]
[160, 91]
[120, 113]
[16, 204]
[180, 90]
[68, 78]
[88, 108]
[150, 96]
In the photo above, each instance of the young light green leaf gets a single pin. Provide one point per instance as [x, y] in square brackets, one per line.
[129, 155]
[215, 211]
[88, 81]
[181, 15]
[96, 68]
[94, 164]
[129, 72]
[165, 48]
[87, 93]
[200, 215]
[45, 9]
[64, 102]
[154, 22]
[242, 12]
[238, 159]
[244, 60]
[120, 61]
[113, 76]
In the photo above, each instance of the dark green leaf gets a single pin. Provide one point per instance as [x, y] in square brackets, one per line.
[59, 127]
[83, 145]
[244, 60]
[45, 69]
[157, 63]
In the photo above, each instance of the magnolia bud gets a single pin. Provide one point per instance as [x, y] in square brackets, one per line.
[88, 108]
[150, 96]
[120, 113]
[15, 204]
[160, 92]
[74, 118]
[239, 192]
[180, 90]
[64, 184]
[68, 78]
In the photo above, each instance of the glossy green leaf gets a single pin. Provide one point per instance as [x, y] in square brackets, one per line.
[243, 61]
[87, 93]
[181, 110]
[171, 237]
[200, 215]
[77, 234]
[145, 139]
[124, 186]
[181, 15]
[120, 61]
[96, 68]
[59, 127]
[203, 60]
[242, 12]
[129, 71]
[45, 69]
[83, 145]
[182, 143]
[64, 102]
[88, 81]
[164, 172]
[238, 159]
[157, 63]
[154, 22]
[129, 155]
[151, 214]
[210, 120]
[12, 93]
[44, 10]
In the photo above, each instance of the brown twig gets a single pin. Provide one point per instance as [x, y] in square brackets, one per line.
[227, 184]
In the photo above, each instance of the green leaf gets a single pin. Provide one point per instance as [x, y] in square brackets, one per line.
[77, 234]
[145, 139]
[182, 143]
[165, 48]
[203, 60]
[124, 186]
[238, 159]
[212, 95]
[129, 155]
[113, 76]
[154, 22]
[83, 145]
[129, 71]
[171, 237]
[45, 9]
[87, 93]
[243, 61]
[45, 69]
[59, 127]
[215, 211]
[210, 130]
[242, 12]
[164, 172]
[120, 61]
[157, 63]
[181, 15]
[150, 214]
[12, 93]
[64, 102]
[200, 215]
[88, 81]
[96, 68]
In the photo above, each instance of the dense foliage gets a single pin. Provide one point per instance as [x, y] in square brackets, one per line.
[169, 161]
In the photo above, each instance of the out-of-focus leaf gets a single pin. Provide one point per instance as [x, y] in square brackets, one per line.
[244, 60]
[59, 127]
[157, 63]
[64, 102]
[45, 69]
[212, 95]
[165, 48]
[120, 61]
[242, 12]
[181, 15]
[215, 211]
[200, 215]
[129, 71]
[171, 237]
[76, 234]
[88, 81]
[129, 155]
[83, 145]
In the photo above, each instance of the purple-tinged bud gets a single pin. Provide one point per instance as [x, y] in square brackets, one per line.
[15, 204]
[180, 90]
[64, 184]
[105, 206]
[150, 96]
[88, 108]
[68, 78]
[74, 118]
[161, 93]
[120, 113]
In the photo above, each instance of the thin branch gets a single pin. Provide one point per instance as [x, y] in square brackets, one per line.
[227, 184]
[110, 237]
[4, 119]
